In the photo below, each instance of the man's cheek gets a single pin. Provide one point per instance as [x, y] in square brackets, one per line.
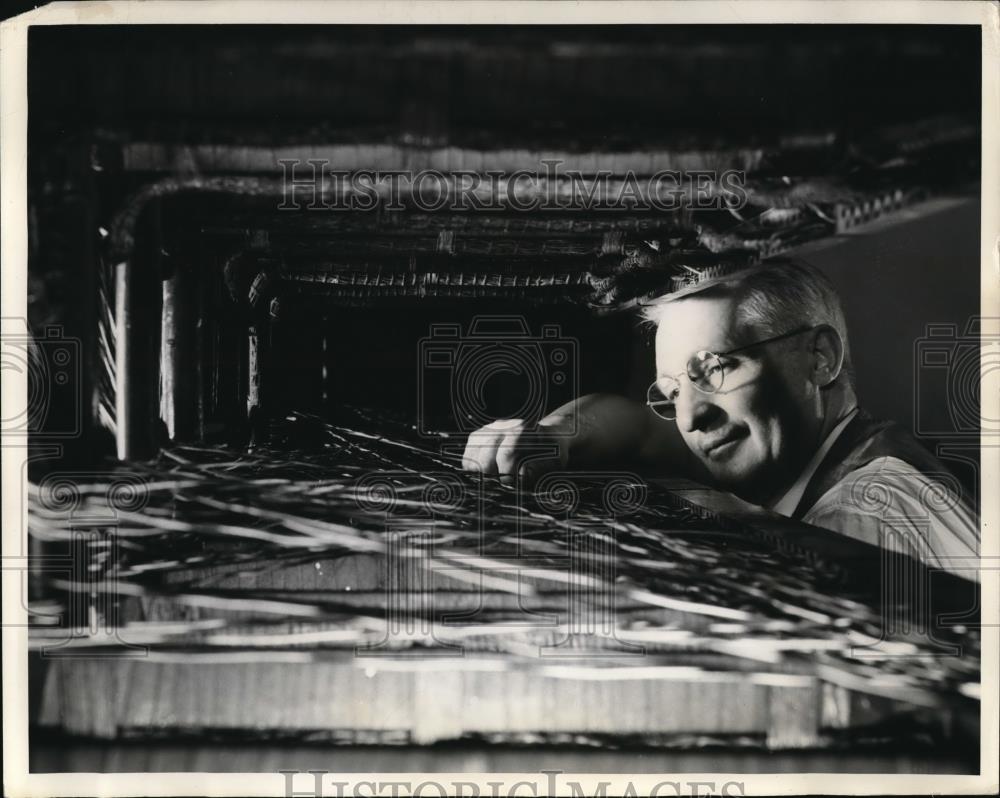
[749, 456]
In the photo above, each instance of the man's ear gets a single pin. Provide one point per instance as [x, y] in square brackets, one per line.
[827, 350]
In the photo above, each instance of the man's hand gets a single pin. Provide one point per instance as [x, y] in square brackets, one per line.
[595, 431]
[515, 448]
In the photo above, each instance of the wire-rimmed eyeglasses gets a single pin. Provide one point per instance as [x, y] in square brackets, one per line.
[705, 371]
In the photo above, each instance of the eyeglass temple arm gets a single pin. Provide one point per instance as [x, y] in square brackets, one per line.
[789, 334]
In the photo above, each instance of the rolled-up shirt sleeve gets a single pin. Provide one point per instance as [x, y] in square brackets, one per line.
[890, 504]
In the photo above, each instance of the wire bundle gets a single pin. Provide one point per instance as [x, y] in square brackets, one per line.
[334, 539]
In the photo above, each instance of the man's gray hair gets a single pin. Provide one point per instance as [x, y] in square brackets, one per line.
[775, 297]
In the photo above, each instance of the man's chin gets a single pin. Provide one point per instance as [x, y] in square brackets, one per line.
[735, 474]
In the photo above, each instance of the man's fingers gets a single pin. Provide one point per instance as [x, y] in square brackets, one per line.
[508, 454]
[504, 448]
[529, 463]
[481, 448]
[480, 451]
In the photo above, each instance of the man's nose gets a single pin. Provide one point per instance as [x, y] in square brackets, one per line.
[694, 408]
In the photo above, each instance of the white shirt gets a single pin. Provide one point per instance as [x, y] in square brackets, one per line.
[890, 504]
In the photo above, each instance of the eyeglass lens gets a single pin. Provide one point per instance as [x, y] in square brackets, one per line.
[705, 372]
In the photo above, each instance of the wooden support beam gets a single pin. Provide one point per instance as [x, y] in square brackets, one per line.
[125, 405]
[253, 372]
[258, 338]
[178, 343]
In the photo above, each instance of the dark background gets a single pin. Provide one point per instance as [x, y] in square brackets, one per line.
[605, 88]
[559, 83]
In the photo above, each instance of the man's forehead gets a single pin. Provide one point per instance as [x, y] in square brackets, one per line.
[695, 323]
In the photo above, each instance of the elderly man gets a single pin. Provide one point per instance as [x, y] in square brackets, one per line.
[754, 373]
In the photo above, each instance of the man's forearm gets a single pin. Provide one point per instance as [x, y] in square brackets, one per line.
[612, 430]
